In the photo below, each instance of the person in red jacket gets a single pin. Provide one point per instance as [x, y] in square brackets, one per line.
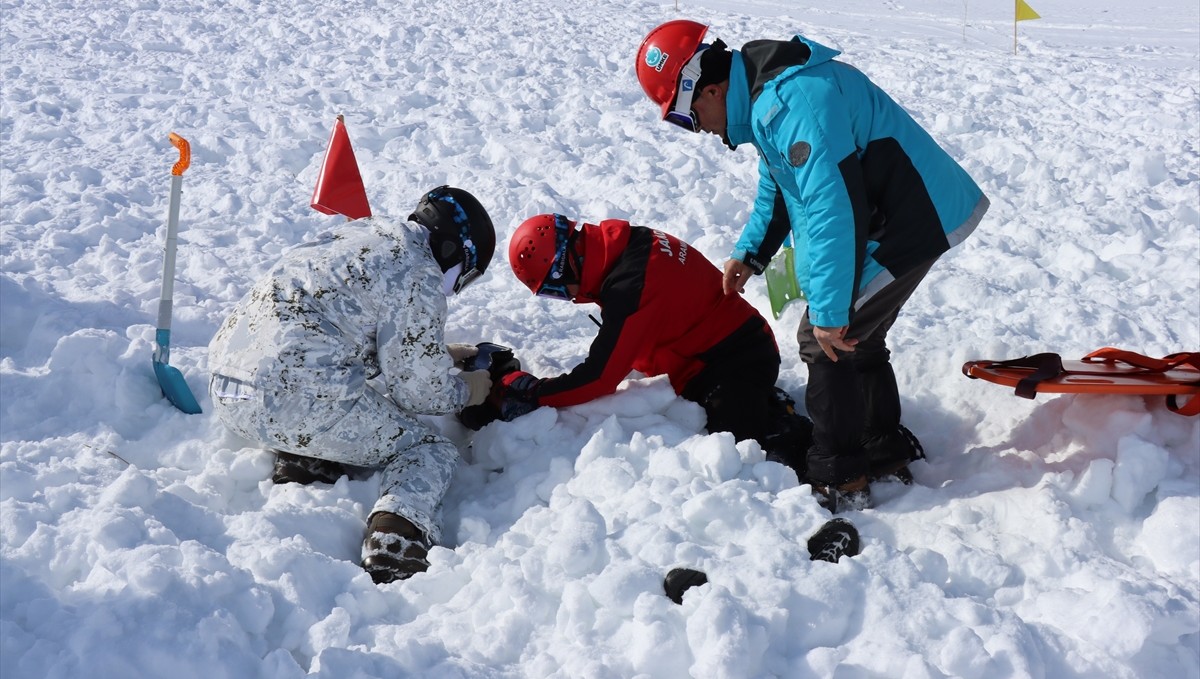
[663, 312]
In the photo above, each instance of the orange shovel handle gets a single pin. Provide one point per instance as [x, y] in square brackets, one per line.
[185, 154]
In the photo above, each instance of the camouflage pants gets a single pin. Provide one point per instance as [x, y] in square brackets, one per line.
[369, 431]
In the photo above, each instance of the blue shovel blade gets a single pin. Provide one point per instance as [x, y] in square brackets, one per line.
[175, 388]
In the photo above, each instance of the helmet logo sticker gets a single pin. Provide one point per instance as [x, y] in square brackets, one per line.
[560, 263]
[798, 153]
[656, 58]
[686, 85]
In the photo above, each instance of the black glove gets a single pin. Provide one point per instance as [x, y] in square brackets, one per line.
[515, 394]
[498, 361]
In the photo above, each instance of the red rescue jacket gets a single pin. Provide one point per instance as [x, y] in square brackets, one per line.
[662, 307]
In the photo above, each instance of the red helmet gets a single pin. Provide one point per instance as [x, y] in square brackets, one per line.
[538, 254]
[662, 56]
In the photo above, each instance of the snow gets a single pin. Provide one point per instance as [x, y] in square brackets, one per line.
[1058, 537]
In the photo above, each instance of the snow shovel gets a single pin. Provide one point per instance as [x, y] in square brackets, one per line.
[174, 386]
[782, 286]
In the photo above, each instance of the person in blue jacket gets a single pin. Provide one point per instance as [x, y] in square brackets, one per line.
[868, 199]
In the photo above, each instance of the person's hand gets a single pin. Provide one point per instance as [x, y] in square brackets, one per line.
[480, 384]
[735, 277]
[833, 338]
[461, 353]
[514, 395]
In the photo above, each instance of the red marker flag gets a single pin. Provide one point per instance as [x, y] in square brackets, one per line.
[339, 189]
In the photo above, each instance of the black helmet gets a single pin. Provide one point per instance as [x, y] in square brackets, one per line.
[460, 232]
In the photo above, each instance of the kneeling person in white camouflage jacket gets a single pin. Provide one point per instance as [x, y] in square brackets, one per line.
[331, 357]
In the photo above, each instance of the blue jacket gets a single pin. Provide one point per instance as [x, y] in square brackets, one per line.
[863, 191]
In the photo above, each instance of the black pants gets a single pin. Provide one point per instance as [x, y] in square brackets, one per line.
[858, 392]
[737, 385]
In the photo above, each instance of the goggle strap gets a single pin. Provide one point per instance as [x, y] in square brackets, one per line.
[466, 278]
[690, 74]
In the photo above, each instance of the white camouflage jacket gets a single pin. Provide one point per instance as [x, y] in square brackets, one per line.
[363, 301]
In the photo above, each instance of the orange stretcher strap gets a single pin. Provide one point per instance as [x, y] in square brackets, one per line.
[1158, 365]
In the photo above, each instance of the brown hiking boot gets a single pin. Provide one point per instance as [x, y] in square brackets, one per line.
[291, 468]
[394, 549]
[850, 496]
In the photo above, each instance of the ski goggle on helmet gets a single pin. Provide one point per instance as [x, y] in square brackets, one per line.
[668, 69]
[542, 256]
[682, 114]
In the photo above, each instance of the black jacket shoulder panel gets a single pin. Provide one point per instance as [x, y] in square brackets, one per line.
[765, 59]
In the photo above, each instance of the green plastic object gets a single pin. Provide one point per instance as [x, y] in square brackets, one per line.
[782, 286]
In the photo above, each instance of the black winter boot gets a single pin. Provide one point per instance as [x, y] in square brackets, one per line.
[680, 580]
[791, 434]
[837, 538]
[847, 497]
[888, 453]
[394, 549]
[291, 468]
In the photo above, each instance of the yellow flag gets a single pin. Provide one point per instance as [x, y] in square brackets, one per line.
[1025, 12]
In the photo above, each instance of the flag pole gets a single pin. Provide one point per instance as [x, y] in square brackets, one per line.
[1022, 12]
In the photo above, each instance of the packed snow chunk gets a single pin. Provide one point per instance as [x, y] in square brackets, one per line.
[687, 414]
[963, 655]
[633, 398]
[725, 513]
[1122, 618]
[724, 637]
[671, 462]
[1102, 421]
[577, 543]
[932, 566]
[751, 452]
[281, 665]
[658, 644]
[333, 631]
[1073, 262]
[561, 470]
[500, 443]
[577, 611]
[88, 361]
[1140, 467]
[1152, 166]
[1095, 484]
[608, 441]
[603, 481]
[975, 571]
[245, 465]
[716, 456]
[133, 488]
[472, 529]
[774, 477]
[1171, 535]
[619, 587]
